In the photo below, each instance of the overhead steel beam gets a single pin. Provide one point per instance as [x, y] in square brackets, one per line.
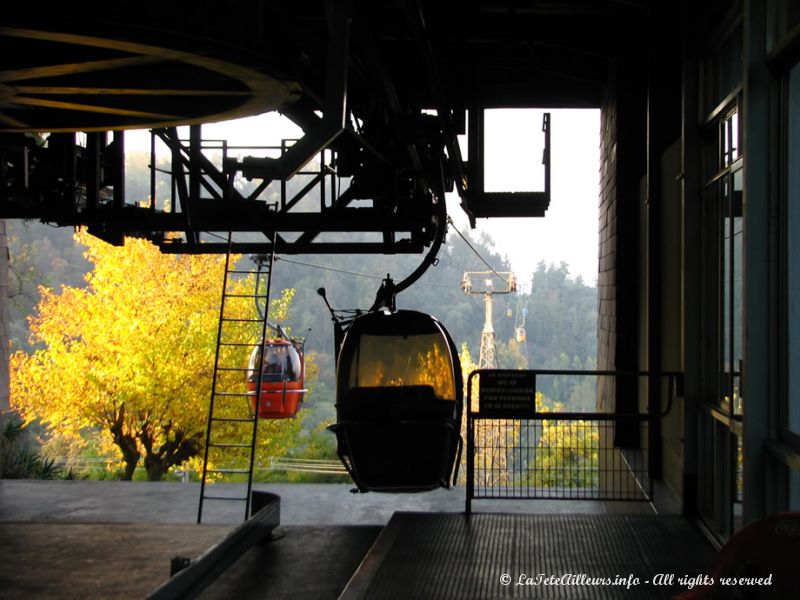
[334, 110]
[282, 246]
[132, 220]
[412, 14]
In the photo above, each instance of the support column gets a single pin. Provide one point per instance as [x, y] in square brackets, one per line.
[4, 340]
[759, 338]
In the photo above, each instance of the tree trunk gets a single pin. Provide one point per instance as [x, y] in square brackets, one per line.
[175, 451]
[127, 445]
[130, 454]
[156, 467]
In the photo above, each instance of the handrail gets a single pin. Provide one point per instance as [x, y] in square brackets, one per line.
[676, 389]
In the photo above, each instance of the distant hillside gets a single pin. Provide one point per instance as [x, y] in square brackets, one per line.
[39, 255]
[559, 313]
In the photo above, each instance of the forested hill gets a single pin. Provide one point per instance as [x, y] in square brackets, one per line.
[40, 255]
[560, 312]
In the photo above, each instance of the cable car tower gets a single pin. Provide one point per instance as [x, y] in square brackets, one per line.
[488, 283]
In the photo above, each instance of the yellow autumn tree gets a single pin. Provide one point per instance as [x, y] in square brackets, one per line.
[546, 453]
[130, 355]
[495, 439]
[567, 452]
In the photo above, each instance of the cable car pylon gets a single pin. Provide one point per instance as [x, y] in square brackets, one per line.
[488, 283]
[232, 428]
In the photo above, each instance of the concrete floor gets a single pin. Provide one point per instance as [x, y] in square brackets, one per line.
[94, 560]
[301, 504]
[115, 540]
[111, 539]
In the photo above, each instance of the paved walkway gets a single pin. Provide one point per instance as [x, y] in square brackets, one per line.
[301, 504]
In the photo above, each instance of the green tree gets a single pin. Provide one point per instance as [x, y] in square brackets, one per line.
[39, 255]
[567, 451]
[562, 333]
[20, 453]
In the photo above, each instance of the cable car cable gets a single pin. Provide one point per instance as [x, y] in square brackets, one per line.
[335, 270]
[471, 247]
[324, 268]
[305, 264]
[216, 235]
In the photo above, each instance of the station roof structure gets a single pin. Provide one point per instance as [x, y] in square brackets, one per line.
[384, 87]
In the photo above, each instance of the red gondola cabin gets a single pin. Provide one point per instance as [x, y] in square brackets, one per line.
[282, 379]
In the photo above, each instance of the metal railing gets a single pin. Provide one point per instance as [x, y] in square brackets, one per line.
[519, 450]
[288, 465]
[306, 465]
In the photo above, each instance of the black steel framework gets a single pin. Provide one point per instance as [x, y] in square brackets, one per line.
[524, 454]
[506, 203]
[383, 90]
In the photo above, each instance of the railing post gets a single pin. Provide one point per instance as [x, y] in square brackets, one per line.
[470, 448]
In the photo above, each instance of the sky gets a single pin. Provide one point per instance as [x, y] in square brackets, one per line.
[569, 230]
[513, 151]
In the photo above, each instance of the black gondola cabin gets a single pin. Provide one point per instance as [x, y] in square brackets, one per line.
[399, 401]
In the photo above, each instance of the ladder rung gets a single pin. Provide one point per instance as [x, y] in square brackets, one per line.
[222, 366]
[230, 320]
[224, 498]
[227, 445]
[246, 296]
[229, 471]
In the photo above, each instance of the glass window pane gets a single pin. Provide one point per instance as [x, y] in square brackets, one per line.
[403, 361]
[725, 293]
[726, 142]
[723, 69]
[730, 148]
[737, 290]
[793, 251]
[794, 490]
[281, 361]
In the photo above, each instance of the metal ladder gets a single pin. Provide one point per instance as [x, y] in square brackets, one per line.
[232, 428]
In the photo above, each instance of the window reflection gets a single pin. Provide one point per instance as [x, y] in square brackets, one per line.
[727, 188]
[403, 361]
[281, 362]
